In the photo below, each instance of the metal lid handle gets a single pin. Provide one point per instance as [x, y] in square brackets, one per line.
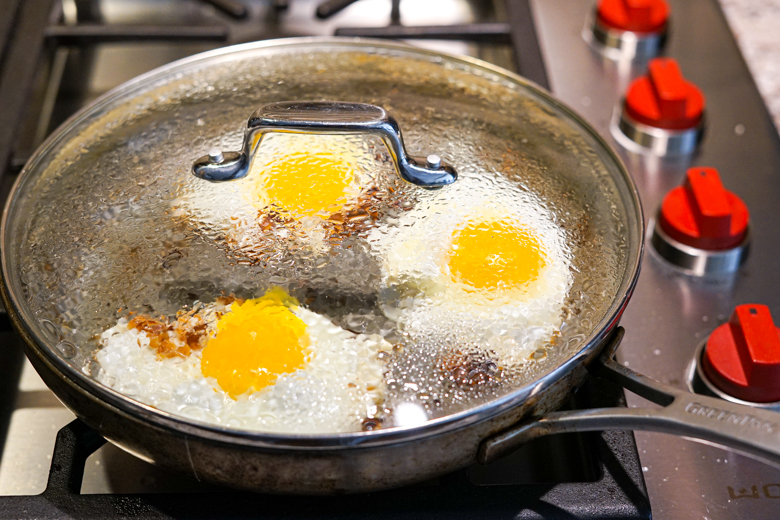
[326, 117]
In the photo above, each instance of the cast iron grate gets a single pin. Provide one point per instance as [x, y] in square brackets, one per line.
[519, 31]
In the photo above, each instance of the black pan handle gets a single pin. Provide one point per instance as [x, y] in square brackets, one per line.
[330, 117]
[752, 431]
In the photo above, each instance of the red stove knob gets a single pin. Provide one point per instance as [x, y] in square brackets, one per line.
[628, 29]
[642, 16]
[664, 99]
[703, 214]
[742, 357]
[702, 227]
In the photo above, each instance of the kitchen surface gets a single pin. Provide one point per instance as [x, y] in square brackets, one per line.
[670, 317]
[753, 24]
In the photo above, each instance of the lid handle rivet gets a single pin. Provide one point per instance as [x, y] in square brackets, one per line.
[216, 156]
[434, 161]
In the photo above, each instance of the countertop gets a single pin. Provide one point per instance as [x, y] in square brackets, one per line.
[756, 26]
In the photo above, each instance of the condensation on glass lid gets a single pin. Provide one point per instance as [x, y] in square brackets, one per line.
[392, 272]
[459, 288]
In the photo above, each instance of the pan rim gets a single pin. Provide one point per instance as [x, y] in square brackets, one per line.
[168, 421]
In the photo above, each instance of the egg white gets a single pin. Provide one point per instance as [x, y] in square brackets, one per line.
[424, 299]
[340, 384]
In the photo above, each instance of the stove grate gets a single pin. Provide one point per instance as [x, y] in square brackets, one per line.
[520, 31]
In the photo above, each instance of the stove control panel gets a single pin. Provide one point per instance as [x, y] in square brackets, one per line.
[702, 227]
[741, 358]
[655, 117]
[628, 28]
[662, 113]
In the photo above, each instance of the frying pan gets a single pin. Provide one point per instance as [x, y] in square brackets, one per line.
[81, 235]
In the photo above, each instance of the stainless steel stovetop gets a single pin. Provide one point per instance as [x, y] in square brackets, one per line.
[670, 313]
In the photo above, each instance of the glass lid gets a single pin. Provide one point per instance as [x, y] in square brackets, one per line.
[242, 238]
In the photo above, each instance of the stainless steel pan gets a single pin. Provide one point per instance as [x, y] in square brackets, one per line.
[61, 264]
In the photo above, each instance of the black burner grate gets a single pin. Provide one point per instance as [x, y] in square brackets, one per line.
[520, 32]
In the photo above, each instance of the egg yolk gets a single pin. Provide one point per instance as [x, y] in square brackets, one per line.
[256, 342]
[495, 254]
[307, 184]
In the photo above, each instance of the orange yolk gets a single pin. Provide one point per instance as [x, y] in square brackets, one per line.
[495, 254]
[307, 184]
[255, 343]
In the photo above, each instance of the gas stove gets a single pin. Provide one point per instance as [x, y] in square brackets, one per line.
[52, 466]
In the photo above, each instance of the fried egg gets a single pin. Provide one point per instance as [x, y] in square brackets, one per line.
[299, 192]
[264, 364]
[479, 264]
